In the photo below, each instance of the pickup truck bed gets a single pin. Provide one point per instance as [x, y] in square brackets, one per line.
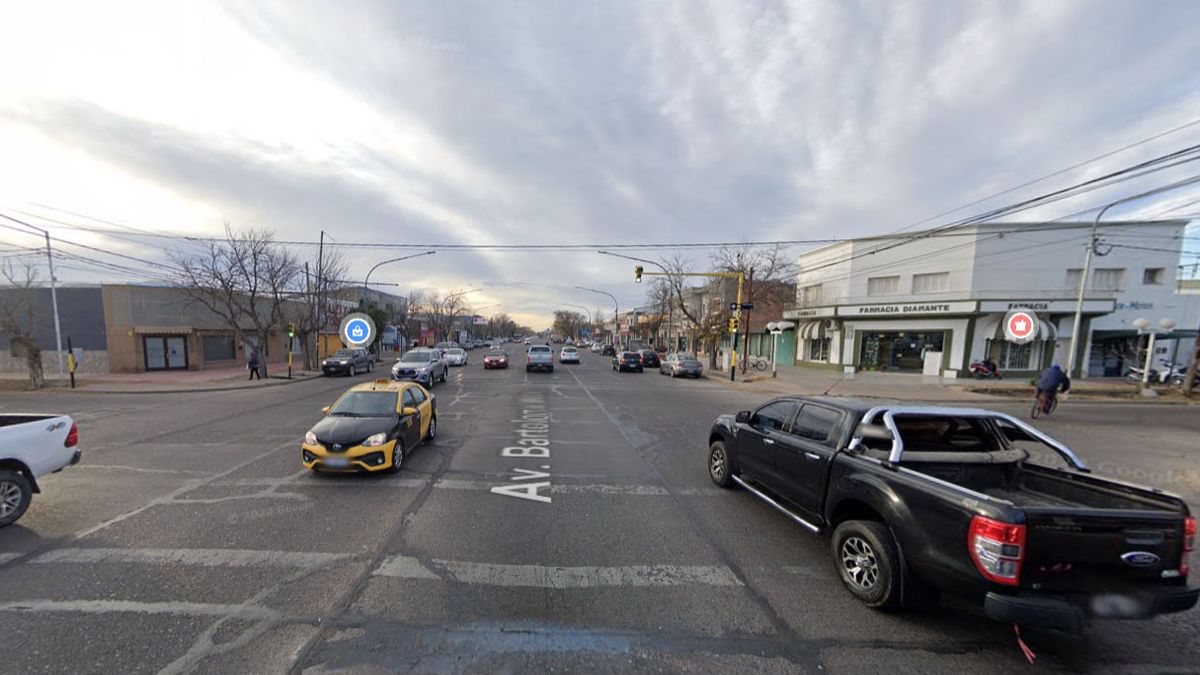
[31, 446]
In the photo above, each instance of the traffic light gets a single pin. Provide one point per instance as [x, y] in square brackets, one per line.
[291, 330]
[637, 274]
[733, 324]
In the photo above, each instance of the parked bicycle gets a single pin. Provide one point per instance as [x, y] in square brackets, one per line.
[753, 362]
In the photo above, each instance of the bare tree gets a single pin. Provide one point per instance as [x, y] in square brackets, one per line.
[568, 322]
[701, 307]
[18, 318]
[443, 309]
[774, 270]
[244, 279]
[661, 297]
[315, 285]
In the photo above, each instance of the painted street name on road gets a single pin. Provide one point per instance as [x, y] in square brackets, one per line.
[533, 442]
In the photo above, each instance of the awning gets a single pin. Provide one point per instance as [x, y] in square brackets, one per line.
[162, 330]
[812, 330]
[1046, 330]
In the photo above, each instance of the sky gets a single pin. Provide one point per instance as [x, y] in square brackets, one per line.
[607, 123]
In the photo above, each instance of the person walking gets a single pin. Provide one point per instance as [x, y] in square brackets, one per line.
[255, 363]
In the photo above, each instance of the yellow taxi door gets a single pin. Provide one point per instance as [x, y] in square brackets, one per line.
[426, 409]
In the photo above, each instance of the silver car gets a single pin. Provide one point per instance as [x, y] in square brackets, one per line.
[456, 356]
[424, 366]
[680, 364]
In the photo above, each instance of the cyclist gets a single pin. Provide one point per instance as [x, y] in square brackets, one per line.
[1049, 383]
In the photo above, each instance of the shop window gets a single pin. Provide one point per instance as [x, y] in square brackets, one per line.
[1152, 276]
[818, 349]
[1012, 356]
[1107, 279]
[883, 285]
[931, 283]
[218, 348]
[1073, 279]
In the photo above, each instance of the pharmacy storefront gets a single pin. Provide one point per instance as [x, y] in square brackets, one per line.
[932, 338]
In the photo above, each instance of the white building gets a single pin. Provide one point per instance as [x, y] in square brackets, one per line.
[885, 303]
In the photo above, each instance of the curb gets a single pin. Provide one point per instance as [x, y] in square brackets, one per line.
[193, 390]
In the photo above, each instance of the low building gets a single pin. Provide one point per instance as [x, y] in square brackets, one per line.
[889, 303]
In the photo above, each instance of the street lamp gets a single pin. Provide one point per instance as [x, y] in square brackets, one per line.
[616, 310]
[385, 262]
[777, 327]
[1142, 324]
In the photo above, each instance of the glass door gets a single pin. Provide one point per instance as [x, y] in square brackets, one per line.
[156, 352]
[176, 352]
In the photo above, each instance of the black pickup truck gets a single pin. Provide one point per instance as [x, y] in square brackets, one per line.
[977, 503]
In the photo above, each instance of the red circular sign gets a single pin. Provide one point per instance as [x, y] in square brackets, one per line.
[1021, 325]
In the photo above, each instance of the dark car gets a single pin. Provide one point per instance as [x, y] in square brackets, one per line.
[608, 350]
[676, 365]
[922, 500]
[650, 358]
[630, 361]
[348, 362]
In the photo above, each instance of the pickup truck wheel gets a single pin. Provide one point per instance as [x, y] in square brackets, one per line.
[15, 493]
[868, 563]
[720, 468]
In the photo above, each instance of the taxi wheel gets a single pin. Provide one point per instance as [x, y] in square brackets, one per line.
[432, 433]
[397, 457]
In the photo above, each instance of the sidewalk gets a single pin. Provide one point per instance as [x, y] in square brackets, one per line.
[167, 381]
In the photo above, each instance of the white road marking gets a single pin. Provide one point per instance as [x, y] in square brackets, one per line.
[5, 557]
[205, 557]
[109, 606]
[540, 576]
[138, 469]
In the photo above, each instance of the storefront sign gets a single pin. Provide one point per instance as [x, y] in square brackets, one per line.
[906, 309]
[1089, 306]
[808, 312]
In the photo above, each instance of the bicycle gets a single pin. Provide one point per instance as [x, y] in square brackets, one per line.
[757, 363]
[1045, 404]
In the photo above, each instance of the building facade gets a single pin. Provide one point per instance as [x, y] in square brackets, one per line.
[933, 304]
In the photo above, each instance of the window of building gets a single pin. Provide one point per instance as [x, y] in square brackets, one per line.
[818, 349]
[1108, 279]
[1012, 356]
[1073, 279]
[218, 348]
[931, 283]
[810, 296]
[883, 285]
[1153, 276]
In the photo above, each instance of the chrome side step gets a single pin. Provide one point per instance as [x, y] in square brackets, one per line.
[776, 505]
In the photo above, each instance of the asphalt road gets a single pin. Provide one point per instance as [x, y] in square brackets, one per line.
[190, 539]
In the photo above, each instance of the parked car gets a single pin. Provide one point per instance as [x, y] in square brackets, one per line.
[569, 355]
[650, 358]
[681, 364]
[631, 361]
[495, 358]
[923, 500]
[539, 357]
[421, 365]
[456, 356]
[371, 427]
[32, 446]
[348, 362]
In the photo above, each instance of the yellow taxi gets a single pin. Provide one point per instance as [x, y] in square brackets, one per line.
[371, 427]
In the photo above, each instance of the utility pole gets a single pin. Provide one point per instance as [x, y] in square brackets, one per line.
[749, 301]
[320, 293]
[54, 304]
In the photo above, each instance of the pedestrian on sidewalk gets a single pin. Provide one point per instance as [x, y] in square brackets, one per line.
[255, 363]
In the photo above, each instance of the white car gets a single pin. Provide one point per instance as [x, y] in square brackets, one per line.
[32, 446]
[456, 356]
[568, 355]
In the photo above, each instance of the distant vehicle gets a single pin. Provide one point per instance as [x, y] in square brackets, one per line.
[539, 357]
[650, 358]
[922, 500]
[420, 365]
[676, 365]
[348, 362]
[32, 446]
[456, 356]
[608, 350]
[371, 427]
[569, 355]
[527, 340]
[495, 358]
[630, 361]
[447, 345]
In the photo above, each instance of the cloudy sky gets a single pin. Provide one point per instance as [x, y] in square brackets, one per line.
[559, 122]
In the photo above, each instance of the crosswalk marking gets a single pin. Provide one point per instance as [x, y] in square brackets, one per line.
[205, 557]
[541, 576]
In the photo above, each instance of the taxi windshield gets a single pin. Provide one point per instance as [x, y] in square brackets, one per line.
[365, 404]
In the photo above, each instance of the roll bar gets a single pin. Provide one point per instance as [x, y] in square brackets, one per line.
[889, 421]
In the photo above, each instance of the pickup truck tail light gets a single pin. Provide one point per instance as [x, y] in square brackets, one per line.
[1189, 544]
[73, 438]
[997, 548]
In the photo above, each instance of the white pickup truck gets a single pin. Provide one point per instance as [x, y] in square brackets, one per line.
[32, 446]
[539, 357]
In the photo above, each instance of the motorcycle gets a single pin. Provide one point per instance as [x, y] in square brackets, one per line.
[1172, 376]
[982, 371]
